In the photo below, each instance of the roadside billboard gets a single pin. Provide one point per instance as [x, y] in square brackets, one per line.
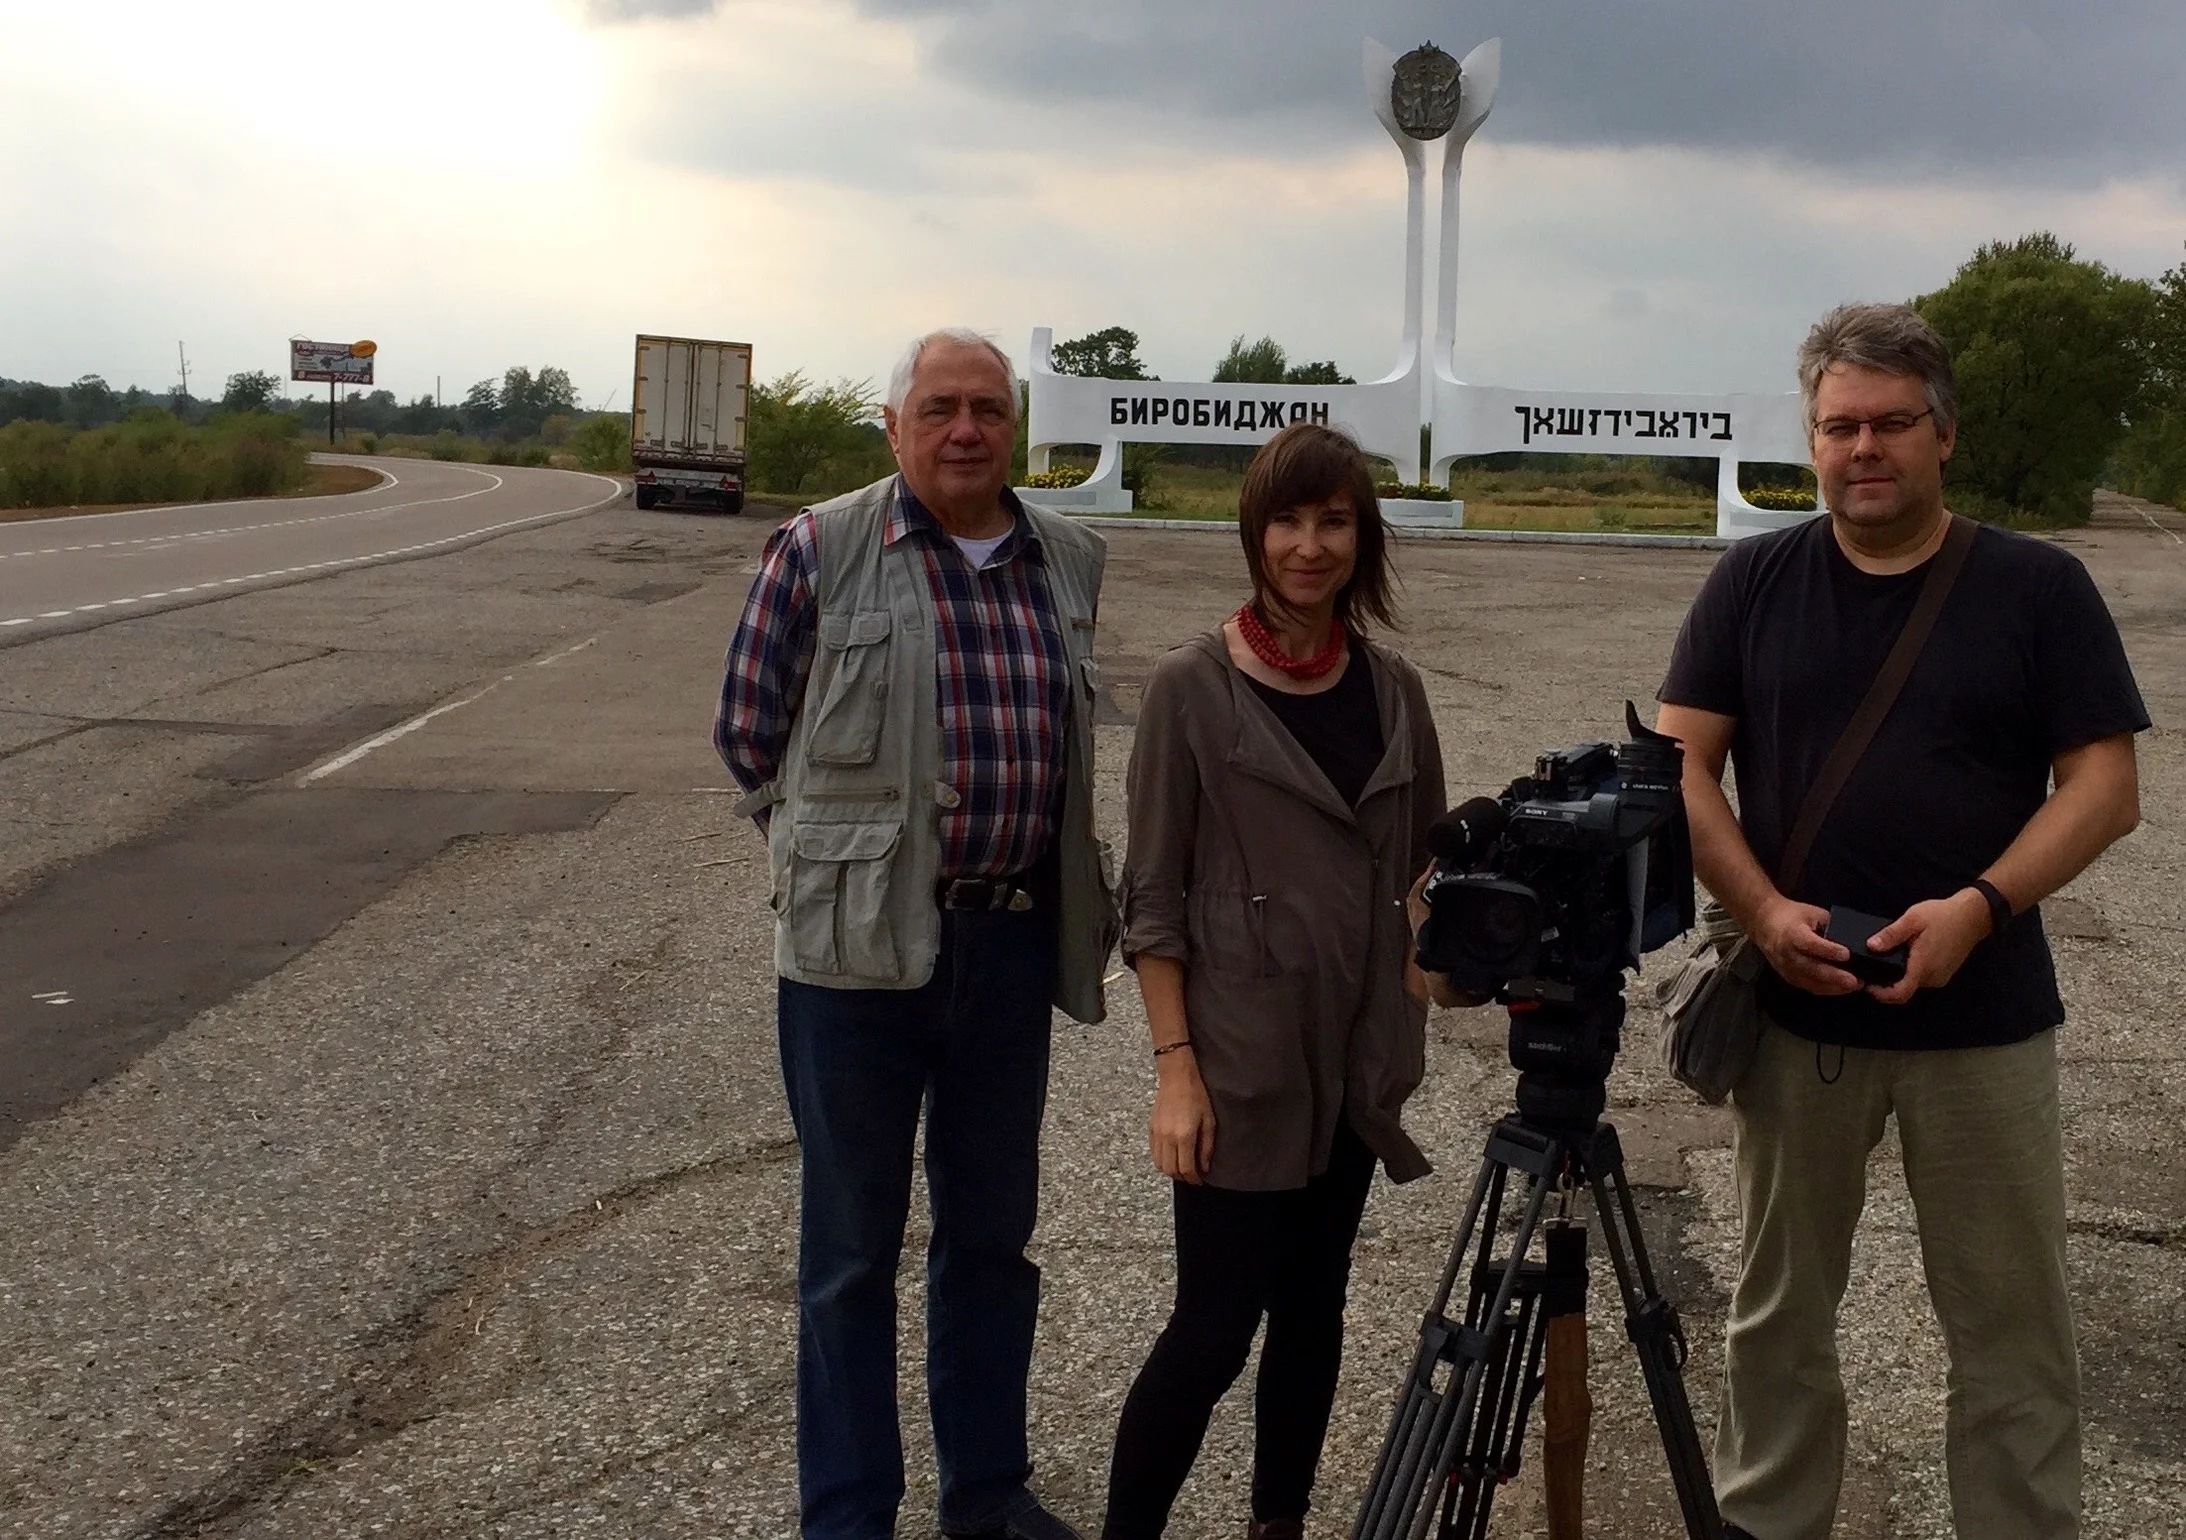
[335, 363]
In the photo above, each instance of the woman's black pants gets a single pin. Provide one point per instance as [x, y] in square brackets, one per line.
[1242, 1255]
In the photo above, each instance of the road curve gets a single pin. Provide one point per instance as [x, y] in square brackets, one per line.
[70, 574]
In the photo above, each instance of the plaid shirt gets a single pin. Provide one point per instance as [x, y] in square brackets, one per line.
[1001, 676]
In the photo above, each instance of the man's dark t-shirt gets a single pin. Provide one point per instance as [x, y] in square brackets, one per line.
[2024, 663]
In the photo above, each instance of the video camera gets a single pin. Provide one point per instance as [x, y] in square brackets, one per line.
[1543, 896]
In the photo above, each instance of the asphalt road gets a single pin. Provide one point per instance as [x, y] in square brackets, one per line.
[72, 573]
[409, 1156]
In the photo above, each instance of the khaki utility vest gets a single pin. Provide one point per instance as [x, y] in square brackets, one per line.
[855, 835]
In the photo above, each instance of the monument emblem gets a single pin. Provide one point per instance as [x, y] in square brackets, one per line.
[1427, 101]
[1423, 92]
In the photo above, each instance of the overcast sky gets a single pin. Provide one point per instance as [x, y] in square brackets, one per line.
[1665, 195]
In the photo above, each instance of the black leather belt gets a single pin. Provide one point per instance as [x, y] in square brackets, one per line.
[1038, 886]
[1012, 893]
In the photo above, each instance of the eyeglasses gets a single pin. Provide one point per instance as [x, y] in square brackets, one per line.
[1844, 430]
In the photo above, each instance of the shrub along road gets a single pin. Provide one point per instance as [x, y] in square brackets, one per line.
[438, 1182]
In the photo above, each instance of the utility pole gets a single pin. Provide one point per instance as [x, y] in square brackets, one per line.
[184, 358]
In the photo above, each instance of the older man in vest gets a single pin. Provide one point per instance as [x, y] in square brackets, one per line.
[908, 704]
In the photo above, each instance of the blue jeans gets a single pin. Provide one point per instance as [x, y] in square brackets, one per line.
[971, 1046]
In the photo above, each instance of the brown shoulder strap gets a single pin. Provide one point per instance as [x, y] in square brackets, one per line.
[1881, 696]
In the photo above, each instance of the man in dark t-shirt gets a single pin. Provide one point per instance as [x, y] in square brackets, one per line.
[1950, 830]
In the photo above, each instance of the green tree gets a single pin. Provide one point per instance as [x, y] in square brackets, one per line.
[370, 412]
[2151, 459]
[92, 403]
[1254, 363]
[254, 390]
[1267, 363]
[1109, 354]
[794, 428]
[424, 415]
[602, 442]
[1323, 372]
[2050, 355]
[29, 401]
[527, 400]
[480, 412]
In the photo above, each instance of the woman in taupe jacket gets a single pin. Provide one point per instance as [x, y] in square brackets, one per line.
[1284, 775]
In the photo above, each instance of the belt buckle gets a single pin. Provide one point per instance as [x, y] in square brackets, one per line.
[992, 894]
[969, 893]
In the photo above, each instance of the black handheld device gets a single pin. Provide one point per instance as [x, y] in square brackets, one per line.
[1850, 929]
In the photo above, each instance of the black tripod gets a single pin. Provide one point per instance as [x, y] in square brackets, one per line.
[1460, 1421]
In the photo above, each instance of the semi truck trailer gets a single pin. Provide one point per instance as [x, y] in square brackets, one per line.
[688, 407]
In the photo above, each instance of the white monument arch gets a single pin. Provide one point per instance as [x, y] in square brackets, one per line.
[1425, 100]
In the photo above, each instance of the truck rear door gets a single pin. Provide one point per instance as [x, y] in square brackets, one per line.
[720, 397]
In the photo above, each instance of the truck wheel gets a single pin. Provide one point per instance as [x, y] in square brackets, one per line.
[648, 496]
[732, 502]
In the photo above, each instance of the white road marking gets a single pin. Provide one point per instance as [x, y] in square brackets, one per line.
[344, 561]
[54, 997]
[381, 740]
[350, 756]
[565, 652]
[2159, 527]
[245, 529]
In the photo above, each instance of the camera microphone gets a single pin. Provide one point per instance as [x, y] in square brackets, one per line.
[1460, 837]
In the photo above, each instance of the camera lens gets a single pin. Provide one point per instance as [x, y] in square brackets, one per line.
[1500, 924]
[1496, 924]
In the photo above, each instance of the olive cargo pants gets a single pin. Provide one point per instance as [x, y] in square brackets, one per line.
[1984, 1164]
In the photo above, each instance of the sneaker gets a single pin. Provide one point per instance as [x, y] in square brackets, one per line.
[1035, 1523]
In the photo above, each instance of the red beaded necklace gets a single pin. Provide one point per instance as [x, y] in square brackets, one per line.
[1269, 651]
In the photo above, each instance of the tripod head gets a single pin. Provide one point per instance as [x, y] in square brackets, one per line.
[1562, 1050]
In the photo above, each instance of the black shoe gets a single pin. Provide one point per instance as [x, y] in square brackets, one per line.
[1035, 1523]
[1733, 1532]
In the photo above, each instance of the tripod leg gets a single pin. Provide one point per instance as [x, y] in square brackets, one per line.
[1411, 1424]
[1431, 1424]
[1510, 1381]
[1657, 1337]
[1478, 1348]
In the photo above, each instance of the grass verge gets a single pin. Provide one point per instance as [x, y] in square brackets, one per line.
[322, 481]
[1494, 501]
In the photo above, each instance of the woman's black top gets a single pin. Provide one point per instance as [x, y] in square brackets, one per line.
[1340, 728]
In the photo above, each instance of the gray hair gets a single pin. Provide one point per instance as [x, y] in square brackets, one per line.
[899, 383]
[1892, 338]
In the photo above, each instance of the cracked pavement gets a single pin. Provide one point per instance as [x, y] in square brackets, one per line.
[474, 1213]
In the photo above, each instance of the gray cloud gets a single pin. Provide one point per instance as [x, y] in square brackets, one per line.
[2012, 88]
